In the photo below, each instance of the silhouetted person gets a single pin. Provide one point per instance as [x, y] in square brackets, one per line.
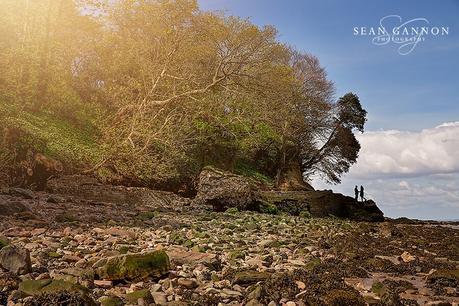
[362, 194]
[356, 191]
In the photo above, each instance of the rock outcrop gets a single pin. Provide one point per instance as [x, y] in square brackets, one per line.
[223, 190]
[89, 188]
[323, 203]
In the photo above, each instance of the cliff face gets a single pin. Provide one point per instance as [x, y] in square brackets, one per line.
[224, 190]
[323, 203]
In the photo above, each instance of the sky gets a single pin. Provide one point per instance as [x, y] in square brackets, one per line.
[409, 161]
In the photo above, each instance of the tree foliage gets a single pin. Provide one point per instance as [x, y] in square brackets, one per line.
[169, 89]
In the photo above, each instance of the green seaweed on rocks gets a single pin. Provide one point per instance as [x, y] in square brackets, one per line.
[134, 266]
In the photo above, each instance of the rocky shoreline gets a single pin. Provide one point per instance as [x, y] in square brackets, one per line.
[124, 246]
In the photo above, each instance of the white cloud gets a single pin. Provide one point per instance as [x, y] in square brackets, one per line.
[413, 174]
[408, 154]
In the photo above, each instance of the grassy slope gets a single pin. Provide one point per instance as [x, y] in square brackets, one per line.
[56, 138]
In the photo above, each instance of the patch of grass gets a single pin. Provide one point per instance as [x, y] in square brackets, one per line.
[136, 266]
[247, 170]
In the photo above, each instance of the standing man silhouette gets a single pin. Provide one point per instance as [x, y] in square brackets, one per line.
[362, 193]
[356, 191]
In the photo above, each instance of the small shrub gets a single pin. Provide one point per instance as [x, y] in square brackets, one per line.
[268, 208]
[305, 214]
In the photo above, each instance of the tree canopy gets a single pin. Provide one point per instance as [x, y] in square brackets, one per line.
[156, 89]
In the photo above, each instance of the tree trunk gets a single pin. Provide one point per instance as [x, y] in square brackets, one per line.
[291, 177]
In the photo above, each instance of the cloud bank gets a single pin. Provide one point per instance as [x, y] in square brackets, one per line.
[408, 154]
[412, 174]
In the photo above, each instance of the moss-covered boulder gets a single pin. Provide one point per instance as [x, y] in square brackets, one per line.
[133, 266]
[250, 277]
[59, 299]
[110, 301]
[55, 292]
[33, 287]
[84, 277]
[140, 297]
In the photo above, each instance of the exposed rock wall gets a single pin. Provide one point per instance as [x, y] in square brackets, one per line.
[89, 188]
[323, 203]
[223, 190]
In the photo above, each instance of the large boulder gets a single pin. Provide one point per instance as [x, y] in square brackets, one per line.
[10, 205]
[133, 266]
[15, 259]
[223, 190]
[55, 292]
[325, 203]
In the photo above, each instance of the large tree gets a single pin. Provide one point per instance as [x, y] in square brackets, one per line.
[174, 88]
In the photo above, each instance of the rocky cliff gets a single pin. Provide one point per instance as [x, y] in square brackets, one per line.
[223, 190]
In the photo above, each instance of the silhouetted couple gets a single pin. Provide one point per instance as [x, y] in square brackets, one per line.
[361, 193]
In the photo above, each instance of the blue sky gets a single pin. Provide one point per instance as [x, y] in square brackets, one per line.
[411, 95]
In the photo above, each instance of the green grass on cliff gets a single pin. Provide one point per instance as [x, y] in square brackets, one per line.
[73, 144]
[247, 170]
